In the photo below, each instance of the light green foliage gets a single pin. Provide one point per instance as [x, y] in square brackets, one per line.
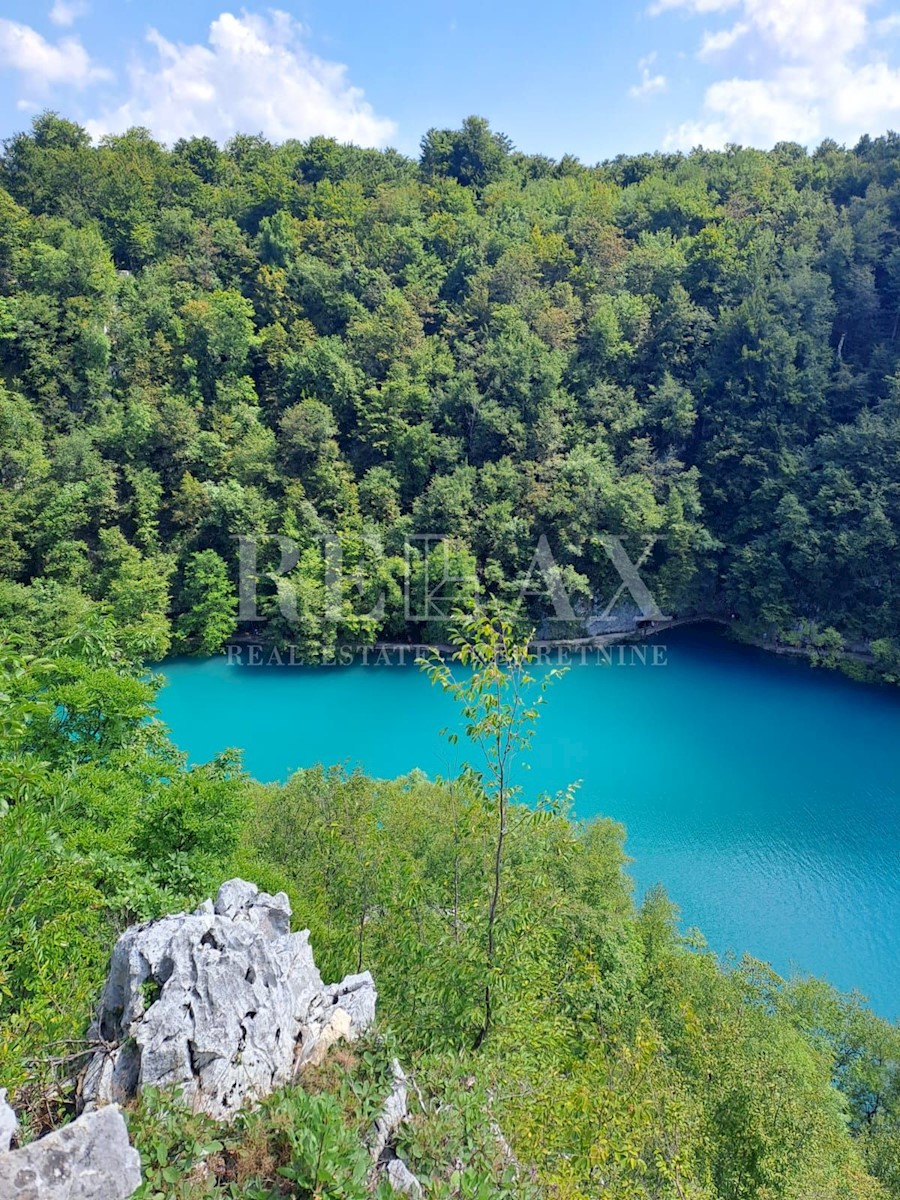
[887, 657]
[825, 646]
[172, 1141]
[101, 823]
[325, 1156]
[309, 1140]
[499, 714]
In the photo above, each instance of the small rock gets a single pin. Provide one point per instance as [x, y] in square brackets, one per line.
[91, 1159]
[393, 1112]
[9, 1124]
[402, 1180]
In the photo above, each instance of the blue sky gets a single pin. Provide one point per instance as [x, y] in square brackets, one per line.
[592, 79]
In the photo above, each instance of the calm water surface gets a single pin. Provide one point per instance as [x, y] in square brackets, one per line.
[764, 795]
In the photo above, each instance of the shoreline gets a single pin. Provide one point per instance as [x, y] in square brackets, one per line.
[850, 661]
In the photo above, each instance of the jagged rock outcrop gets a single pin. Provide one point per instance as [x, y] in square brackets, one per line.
[90, 1159]
[224, 1003]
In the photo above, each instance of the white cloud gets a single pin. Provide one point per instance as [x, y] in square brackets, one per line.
[253, 74]
[67, 12]
[650, 84]
[754, 112]
[801, 28]
[868, 98]
[693, 6]
[825, 74]
[794, 27]
[46, 63]
[718, 43]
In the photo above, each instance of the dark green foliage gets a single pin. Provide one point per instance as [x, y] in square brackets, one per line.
[474, 156]
[316, 340]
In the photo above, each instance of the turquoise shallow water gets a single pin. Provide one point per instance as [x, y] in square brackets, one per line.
[764, 795]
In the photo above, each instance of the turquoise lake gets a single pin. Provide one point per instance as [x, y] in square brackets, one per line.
[764, 795]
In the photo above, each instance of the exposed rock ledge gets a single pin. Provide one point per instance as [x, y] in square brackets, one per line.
[225, 1004]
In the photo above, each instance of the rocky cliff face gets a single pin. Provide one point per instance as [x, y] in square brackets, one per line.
[225, 1004]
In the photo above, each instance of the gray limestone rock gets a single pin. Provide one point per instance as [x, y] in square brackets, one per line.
[402, 1179]
[224, 1003]
[8, 1123]
[393, 1113]
[91, 1159]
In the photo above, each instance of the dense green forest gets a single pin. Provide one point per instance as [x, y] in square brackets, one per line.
[317, 341]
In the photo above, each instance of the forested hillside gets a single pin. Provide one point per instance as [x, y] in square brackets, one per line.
[313, 339]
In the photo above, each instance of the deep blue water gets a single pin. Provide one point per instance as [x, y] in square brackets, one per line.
[764, 795]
